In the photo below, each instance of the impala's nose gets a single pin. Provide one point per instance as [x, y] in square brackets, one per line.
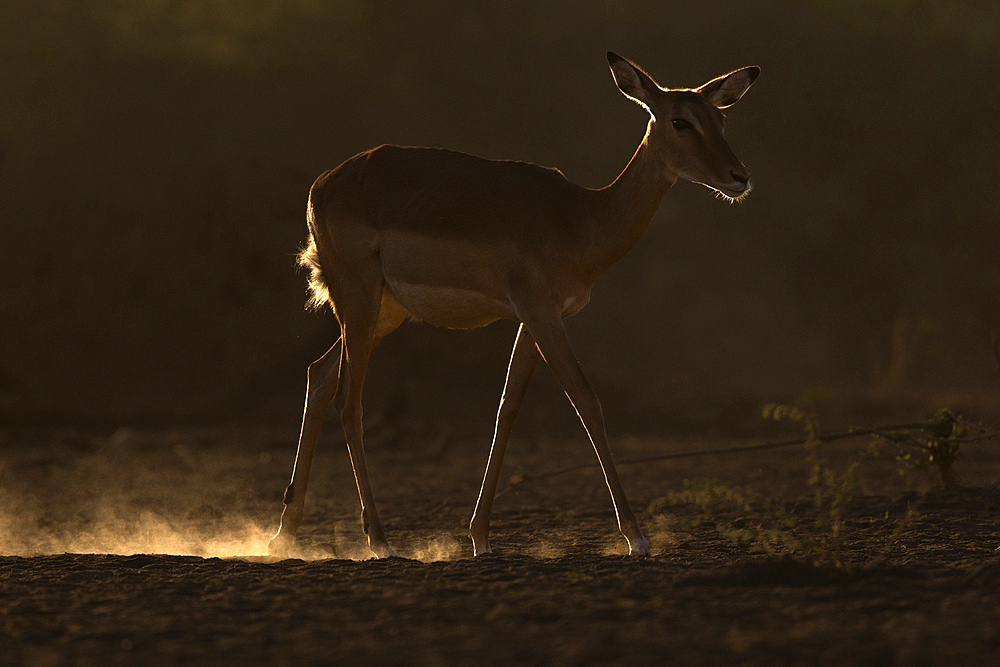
[740, 183]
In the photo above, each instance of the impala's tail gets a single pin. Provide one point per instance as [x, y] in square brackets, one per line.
[319, 293]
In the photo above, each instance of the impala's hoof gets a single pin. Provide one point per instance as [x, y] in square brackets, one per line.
[383, 550]
[281, 545]
[480, 547]
[639, 547]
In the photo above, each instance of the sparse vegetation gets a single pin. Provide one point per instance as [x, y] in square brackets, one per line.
[817, 528]
[919, 449]
[768, 525]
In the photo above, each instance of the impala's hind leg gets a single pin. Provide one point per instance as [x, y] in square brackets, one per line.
[322, 381]
[364, 322]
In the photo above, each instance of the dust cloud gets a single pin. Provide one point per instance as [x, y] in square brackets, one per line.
[129, 493]
[209, 493]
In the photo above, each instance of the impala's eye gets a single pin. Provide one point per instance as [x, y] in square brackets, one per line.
[681, 124]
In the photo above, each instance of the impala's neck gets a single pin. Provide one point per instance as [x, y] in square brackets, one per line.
[625, 208]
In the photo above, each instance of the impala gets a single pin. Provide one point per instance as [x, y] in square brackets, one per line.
[459, 241]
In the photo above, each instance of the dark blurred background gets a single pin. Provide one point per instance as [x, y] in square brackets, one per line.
[155, 158]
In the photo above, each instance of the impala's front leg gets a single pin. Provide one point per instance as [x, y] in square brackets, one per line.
[553, 344]
[522, 363]
[321, 386]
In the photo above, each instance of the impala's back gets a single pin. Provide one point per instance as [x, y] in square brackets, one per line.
[450, 230]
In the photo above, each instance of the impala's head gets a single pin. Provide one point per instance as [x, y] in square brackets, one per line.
[687, 125]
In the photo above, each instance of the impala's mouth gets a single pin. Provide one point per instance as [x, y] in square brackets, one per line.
[731, 193]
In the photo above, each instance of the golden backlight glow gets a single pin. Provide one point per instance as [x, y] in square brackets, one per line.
[173, 492]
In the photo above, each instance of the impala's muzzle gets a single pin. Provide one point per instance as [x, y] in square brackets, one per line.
[736, 186]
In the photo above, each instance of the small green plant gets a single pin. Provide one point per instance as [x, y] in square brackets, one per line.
[746, 517]
[744, 512]
[918, 449]
[779, 412]
[832, 491]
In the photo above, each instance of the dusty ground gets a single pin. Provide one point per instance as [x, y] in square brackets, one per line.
[87, 521]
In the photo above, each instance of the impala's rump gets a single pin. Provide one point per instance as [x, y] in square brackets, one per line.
[308, 258]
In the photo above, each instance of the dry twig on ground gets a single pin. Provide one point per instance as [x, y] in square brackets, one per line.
[940, 436]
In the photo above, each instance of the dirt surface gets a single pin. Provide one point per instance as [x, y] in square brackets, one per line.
[906, 574]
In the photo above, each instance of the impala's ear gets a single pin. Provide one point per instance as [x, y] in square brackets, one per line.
[636, 84]
[729, 88]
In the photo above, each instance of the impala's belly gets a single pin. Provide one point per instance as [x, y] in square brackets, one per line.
[451, 307]
[451, 283]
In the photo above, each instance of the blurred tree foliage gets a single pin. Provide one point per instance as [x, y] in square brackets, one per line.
[155, 154]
